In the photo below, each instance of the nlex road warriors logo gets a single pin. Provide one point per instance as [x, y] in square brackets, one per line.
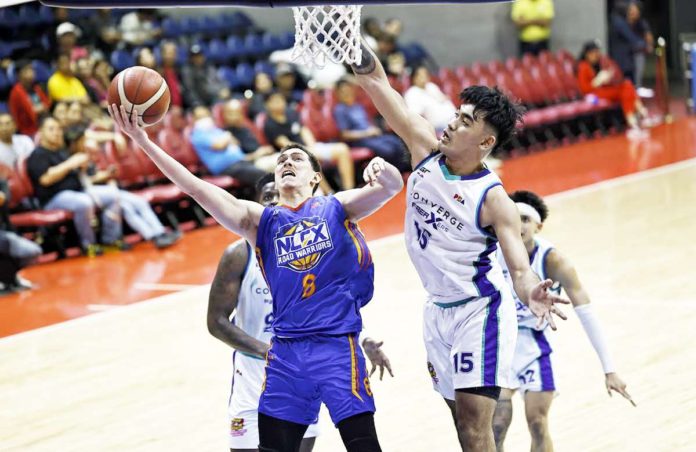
[300, 246]
[433, 374]
[237, 427]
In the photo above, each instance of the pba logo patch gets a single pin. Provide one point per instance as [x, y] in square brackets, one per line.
[433, 374]
[459, 198]
[237, 427]
[301, 245]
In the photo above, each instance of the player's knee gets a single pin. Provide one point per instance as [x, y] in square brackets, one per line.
[538, 426]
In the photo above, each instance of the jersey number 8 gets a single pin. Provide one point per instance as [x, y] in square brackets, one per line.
[308, 286]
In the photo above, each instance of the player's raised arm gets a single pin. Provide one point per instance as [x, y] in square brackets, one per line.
[560, 269]
[383, 182]
[223, 298]
[416, 131]
[235, 214]
[500, 213]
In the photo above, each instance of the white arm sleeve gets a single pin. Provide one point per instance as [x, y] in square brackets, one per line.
[594, 333]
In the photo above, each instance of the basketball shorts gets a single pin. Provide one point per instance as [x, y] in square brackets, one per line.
[532, 366]
[301, 373]
[470, 345]
[242, 410]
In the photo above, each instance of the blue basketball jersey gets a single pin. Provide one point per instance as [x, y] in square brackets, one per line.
[318, 267]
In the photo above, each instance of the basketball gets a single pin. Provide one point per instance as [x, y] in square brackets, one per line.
[143, 89]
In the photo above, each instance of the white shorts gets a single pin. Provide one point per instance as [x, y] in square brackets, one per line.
[470, 345]
[532, 366]
[242, 410]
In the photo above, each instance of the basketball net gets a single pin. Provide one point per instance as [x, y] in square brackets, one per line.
[327, 33]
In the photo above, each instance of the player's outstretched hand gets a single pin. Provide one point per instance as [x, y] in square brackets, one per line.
[541, 303]
[127, 125]
[614, 383]
[377, 357]
[378, 171]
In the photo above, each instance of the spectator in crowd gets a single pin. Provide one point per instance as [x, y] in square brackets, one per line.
[263, 86]
[283, 127]
[357, 129]
[16, 252]
[55, 178]
[101, 186]
[83, 71]
[597, 77]
[63, 85]
[234, 121]
[146, 58]
[628, 37]
[100, 80]
[533, 20]
[641, 28]
[100, 30]
[13, 147]
[170, 72]
[371, 30]
[100, 129]
[220, 151]
[286, 84]
[67, 34]
[426, 99]
[140, 27]
[200, 81]
[59, 111]
[27, 101]
[393, 27]
[392, 59]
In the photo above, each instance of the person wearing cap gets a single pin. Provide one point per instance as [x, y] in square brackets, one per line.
[534, 371]
[597, 76]
[27, 101]
[63, 85]
[67, 34]
[202, 86]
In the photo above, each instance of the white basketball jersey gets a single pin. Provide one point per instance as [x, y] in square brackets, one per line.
[525, 318]
[254, 316]
[453, 255]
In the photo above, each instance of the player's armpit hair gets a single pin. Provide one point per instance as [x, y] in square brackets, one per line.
[367, 64]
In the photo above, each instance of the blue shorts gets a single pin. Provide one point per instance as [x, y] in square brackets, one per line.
[301, 373]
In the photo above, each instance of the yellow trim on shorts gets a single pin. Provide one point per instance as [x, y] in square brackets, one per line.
[354, 369]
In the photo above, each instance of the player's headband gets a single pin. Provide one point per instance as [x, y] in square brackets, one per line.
[529, 211]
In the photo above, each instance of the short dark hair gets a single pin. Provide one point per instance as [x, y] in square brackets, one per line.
[534, 200]
[263, 181]
[343, 82]
[496, 109]
[316, 166]
[268, 96]
[73, 133]
[416, 69]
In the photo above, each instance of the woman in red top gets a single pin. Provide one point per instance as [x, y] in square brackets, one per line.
[598, 76]
[28, 101]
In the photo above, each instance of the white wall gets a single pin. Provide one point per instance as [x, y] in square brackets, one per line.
[458, 34]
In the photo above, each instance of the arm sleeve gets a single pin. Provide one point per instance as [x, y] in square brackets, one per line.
[585, 76]
[594, 332]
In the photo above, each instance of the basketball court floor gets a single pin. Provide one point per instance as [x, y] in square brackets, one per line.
[123, 360]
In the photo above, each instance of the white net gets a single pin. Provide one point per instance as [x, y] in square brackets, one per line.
[327, 33]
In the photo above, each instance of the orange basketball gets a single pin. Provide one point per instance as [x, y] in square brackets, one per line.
[143, 89]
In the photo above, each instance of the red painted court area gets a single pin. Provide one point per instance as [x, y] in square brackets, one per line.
[81, 286]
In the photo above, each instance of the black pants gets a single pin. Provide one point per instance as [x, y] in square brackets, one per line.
[534, 48]
[246, 173]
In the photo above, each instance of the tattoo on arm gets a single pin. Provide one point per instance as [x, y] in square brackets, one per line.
[368, 63]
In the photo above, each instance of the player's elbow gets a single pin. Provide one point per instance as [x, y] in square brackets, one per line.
[214, 323]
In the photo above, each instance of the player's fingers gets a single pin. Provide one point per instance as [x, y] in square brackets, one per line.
[559, 300]
[379, 344]
[545, 284]
[387, 364]
[381, 372]
[540, 322]
[552, 324]
[374, 367]
[559, 313]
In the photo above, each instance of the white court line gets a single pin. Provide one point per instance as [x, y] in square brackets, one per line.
[174, 297]
[103, 307]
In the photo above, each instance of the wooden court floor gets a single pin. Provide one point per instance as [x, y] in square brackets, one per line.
[148, 377]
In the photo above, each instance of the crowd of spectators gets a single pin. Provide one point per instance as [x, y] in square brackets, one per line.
[57, 120]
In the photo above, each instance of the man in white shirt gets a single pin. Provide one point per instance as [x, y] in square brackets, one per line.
[13, 147]
[426, 99]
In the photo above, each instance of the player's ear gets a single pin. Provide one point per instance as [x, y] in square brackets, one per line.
[317, 178]
[539, 227]
[488, 143]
